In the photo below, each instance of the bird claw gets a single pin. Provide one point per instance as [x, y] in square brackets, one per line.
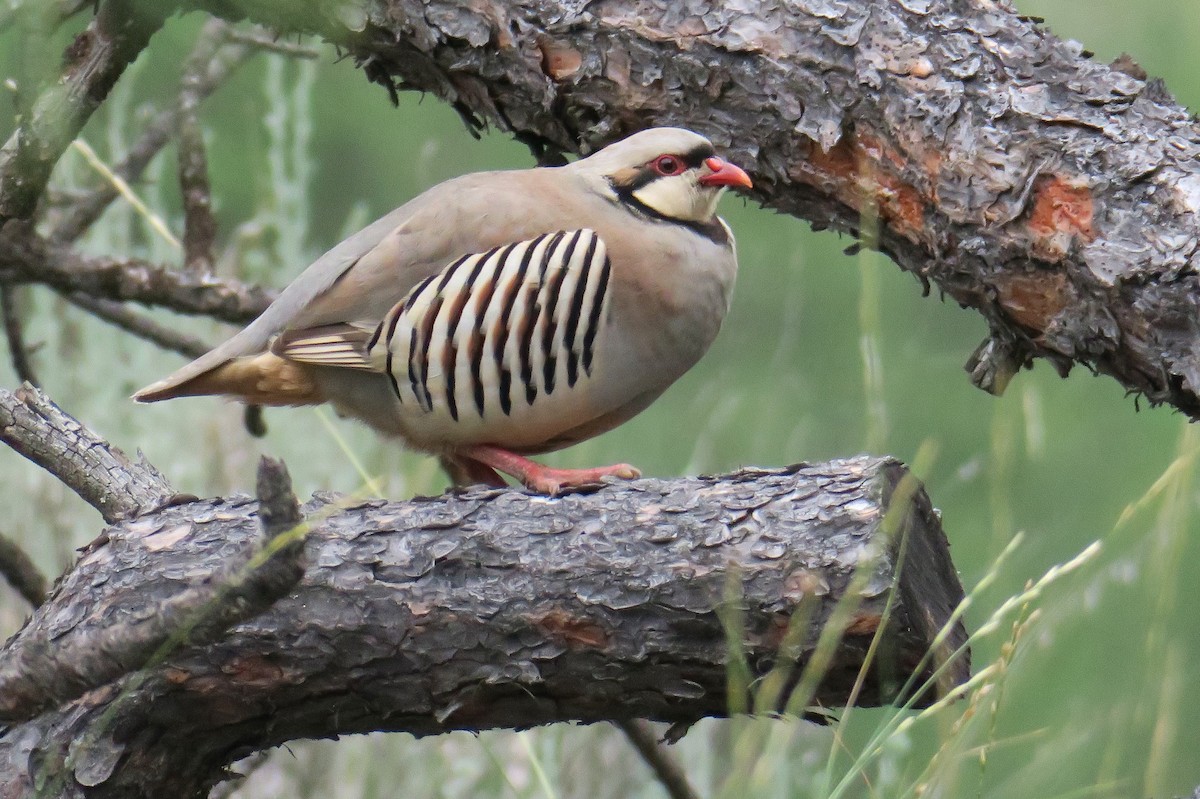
[553, 482]
[535, 476]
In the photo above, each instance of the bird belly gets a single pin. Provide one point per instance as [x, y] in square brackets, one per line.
[530, 419]
[537, 403]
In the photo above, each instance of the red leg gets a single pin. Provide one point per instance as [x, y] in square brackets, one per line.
[540, 478]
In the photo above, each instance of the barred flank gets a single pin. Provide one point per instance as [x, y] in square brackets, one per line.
[524, 316]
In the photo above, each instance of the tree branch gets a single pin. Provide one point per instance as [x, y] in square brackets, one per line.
[141, 326]
[206, 68]
[476, 610]
[1056, 196]
[666, 769]
[26, 257]
[14, 332]
[200, 227]
[46, 668]
[21, 572]
[94, 61]
[102, 475]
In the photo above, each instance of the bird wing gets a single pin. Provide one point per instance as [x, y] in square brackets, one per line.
[505, 322]
[358, 280]
[342, 345]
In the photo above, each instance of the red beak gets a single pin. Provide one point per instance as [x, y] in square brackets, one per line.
[725, 174]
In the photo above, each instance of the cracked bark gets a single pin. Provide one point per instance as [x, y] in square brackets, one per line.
[101, 474]
[469, 611]
[1055, 195]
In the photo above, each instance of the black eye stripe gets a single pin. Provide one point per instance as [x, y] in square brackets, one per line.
[697, 156]
[692, 158]
[647, 174]
[637, 177]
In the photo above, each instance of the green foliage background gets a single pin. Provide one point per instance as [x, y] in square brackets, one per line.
[823, 355]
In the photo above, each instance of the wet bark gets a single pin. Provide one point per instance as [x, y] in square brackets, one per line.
[470, 611]
[1055, 195]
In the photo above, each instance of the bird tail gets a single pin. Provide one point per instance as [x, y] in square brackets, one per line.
[262, 379]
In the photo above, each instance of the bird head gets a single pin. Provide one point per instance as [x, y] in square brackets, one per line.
[666, 173]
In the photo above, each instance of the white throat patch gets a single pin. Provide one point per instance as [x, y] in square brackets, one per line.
[679, 197]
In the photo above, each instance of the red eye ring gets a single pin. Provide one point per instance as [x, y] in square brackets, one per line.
[668, 165]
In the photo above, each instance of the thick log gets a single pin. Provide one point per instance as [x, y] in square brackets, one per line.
[483, 609]
[1055, 195]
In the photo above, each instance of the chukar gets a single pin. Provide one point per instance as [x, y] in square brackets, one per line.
[503, 314]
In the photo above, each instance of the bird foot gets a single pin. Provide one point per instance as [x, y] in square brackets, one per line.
[551, 482]
[544, 479]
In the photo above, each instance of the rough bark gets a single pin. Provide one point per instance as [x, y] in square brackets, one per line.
[469, 611]
[1055, 195]
[44, 668]
[100, 473]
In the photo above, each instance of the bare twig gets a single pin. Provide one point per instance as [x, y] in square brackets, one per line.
[234, 779]
[25, 257]
[95, 60]
[208, 66]
[278, 510]
[200, 228]
[15, 333]
[74, 220]
[21, 572]
[101, 474]
[140, 325]
[668, 771]
[263, 39]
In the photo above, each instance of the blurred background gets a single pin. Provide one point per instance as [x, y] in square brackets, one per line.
[1089, 688]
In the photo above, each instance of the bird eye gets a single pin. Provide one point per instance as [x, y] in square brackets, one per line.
[667, 165]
